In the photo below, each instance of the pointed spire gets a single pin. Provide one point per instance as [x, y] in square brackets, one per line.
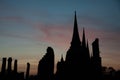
[75, 21]
[88, 47]
[75, 38]
[62, 58]
[83, 39]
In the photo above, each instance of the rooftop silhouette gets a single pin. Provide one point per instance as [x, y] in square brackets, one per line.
[78, 63]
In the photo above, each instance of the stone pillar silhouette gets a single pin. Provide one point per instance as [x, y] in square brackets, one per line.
[3, 65]
[27, 71]
[15, 66]
[95, 47]
[9, 69]
[96, 61]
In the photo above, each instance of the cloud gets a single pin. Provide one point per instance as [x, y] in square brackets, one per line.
[13, 35]
[16, 19]
[62, 34]
[56, 34]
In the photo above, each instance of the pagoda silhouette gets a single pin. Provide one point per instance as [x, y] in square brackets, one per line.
[78, 64]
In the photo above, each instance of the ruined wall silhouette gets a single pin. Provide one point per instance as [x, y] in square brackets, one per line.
[46, 66]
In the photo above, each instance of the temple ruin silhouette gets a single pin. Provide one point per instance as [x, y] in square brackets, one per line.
[78, 64]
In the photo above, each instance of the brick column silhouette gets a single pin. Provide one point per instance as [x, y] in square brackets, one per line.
[27, 71]
[3, 65]
[15, 66]
[9, 69]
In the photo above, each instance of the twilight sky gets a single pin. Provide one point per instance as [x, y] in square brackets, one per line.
[28, 27]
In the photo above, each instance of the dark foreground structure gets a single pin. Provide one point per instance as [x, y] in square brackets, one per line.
[79, 64]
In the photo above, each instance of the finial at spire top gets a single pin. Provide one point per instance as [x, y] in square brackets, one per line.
[75, 14]
[83, 31]
[75, 11]
[75, 39]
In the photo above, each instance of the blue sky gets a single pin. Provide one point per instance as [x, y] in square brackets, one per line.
[28, 27]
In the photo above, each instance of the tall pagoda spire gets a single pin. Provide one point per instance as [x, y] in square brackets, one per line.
[88, 49]
[83, 39]
[75, 39]
[62, 60]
